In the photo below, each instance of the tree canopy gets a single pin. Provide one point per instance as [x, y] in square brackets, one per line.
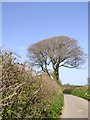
[57, 51]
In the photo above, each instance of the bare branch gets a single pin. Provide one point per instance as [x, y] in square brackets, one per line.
[58, 51]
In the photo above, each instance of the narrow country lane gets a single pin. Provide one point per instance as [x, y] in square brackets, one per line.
[74, 107]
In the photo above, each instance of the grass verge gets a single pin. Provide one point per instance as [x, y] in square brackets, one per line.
[80, 91]
[56, 107]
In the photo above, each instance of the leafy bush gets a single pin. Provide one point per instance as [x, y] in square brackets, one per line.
[67, 91]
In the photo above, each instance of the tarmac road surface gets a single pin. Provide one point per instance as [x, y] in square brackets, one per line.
[74, 107]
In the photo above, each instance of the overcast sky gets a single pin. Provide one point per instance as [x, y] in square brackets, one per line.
[27, 23]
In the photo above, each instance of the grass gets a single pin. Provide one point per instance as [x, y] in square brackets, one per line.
[80, 91]
[56, 107]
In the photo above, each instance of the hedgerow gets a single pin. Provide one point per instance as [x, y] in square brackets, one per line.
[80, 91]
[25, 94]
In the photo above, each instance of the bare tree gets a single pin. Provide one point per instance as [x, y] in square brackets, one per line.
[57, 51]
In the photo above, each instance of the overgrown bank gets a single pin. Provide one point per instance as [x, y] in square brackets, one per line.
[80, 91]
[26, 94]
[56, 107]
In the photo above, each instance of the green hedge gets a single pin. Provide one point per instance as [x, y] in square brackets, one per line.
[80, 92]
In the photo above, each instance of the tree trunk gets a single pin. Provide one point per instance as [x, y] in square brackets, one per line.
[56, 74]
